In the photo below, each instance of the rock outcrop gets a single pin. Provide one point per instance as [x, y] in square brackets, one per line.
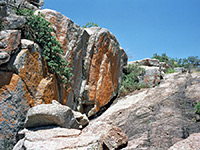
[94, 55]
[96, 59]
[154, 71]
[157, 118]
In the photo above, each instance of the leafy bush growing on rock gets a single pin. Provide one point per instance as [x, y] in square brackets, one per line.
[90, 24]
[170, 70]
[130, 81]
[197, 108]
[38, 29]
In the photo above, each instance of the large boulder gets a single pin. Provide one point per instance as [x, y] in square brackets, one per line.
[96, 60]
[54, 114]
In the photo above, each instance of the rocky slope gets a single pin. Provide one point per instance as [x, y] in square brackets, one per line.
[159, 118]
[156, 118]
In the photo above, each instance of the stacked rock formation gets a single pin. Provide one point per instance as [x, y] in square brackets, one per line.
[154, 71]
[94, 55]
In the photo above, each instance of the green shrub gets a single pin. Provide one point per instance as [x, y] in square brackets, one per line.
[90, 24]
[170, 70]
[197, 108]
[130, 81]
[38, 29]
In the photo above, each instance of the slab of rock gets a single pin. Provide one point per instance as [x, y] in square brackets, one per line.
[157, 118]
[191, 143]
[98, 136]
[54, 114]
[13, 22]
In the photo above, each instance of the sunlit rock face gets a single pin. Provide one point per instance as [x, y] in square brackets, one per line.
[93, 54]
[96, 60]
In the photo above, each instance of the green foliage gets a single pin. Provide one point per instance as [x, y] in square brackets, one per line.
[188, 63]
[38, 29]
[170, 70]
[197, 108]
[130, 81]
[90, 24]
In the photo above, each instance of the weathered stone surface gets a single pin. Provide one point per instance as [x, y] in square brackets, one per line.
[154, 71]
[191, 143]
[157, 118]
[53, 114]
[112, 136]
[13, 22]
[97, 136]
[9, 43]
[4, 57]
[73, 40]
[152, 76]
[14, 103]
[96, 60]
[103, 66]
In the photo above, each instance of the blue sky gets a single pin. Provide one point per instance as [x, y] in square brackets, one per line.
[142, 27]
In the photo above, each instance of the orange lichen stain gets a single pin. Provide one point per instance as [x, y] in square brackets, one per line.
[105, 87]
[114, 67]
[13, 41]
[12, 113]
[13, 83]
[9, 106]
[66, 93]
[47, 90]
[146, 79]
[95, 66]
[32, 72]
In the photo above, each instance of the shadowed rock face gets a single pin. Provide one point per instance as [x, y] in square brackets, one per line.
[159, 117]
